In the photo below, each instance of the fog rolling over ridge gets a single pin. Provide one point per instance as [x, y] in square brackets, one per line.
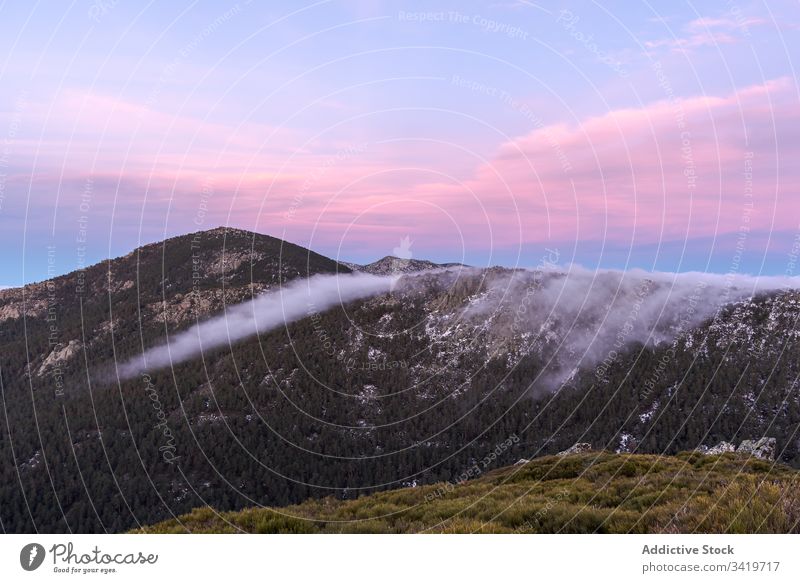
[292, 302]
[578, 318]
[574, 318]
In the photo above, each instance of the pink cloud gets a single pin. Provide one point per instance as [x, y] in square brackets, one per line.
[668, 170]
[700, 39]
[89, 130]
[725, 23]
[708, 31]
[671, 170]
[699, 167]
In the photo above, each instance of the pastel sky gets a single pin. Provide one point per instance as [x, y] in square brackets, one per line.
[621, 134]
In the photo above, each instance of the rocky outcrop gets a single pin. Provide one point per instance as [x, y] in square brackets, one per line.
[17, 302]
[580, 447]
[763, 448]
[719, 449]
[59, 355]
[230, 261]
[188, 308]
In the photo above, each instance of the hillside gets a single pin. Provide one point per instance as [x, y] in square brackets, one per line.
[585, 493]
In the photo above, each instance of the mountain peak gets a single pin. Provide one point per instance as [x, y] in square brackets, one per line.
[223, 230]
[390, 265]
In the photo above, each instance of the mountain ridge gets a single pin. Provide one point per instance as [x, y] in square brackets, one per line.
[391, 265]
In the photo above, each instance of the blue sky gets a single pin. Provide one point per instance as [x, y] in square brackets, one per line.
[484, 131]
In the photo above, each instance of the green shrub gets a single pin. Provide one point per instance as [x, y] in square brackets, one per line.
[586, 493]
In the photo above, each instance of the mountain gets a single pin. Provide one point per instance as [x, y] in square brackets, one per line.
[159, 287]
[390, 265]
[586, 493]
[400, 388]
[215, 266]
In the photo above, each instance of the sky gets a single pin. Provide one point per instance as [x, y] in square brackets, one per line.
[660, 136]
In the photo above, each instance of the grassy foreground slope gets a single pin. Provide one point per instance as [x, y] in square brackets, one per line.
[584, 493]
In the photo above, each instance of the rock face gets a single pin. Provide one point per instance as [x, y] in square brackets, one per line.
[763, 448]
[59, 355]
[720, 448]
[577, 448]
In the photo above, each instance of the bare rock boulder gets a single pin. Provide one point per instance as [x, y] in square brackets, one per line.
[763, 448]
[61, 354]
[720, 448]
